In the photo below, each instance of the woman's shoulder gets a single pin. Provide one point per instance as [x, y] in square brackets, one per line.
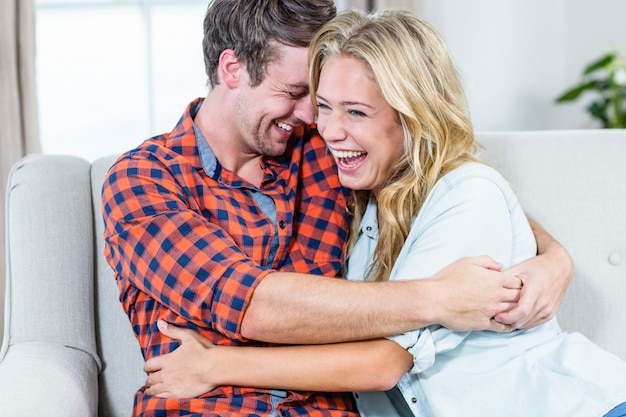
[473, 170]
[473, 184]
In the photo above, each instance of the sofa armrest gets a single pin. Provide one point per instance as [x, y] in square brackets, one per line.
[50, 253]
[47, 379]
[49, 359]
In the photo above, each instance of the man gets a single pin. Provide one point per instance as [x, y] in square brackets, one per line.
[231, 224]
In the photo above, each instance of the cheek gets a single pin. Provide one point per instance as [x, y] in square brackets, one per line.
[321, 120]
[397, 143]
[390, 153]
[399, 151]
[321, 125]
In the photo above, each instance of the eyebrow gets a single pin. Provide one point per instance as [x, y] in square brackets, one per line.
[297, 86]
[347, 103]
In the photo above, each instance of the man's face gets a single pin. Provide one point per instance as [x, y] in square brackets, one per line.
[268, 113]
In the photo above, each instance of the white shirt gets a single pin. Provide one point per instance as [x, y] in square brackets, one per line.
[539, 372]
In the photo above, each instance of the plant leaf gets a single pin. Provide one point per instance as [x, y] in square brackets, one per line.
[598, 111]
[599, 64]
[573, 93]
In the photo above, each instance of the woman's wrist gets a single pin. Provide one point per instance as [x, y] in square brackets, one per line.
[219, 366]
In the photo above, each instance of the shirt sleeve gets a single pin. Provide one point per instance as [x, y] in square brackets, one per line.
[469, 217]
[158, 242]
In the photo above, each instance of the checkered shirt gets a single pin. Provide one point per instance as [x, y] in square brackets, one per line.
[190, 248]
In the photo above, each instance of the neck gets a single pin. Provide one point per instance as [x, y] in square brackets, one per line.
[223, 138]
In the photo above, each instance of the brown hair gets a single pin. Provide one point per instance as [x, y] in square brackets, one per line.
[251, 28]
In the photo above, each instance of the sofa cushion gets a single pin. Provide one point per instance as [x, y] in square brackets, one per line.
[574, 184]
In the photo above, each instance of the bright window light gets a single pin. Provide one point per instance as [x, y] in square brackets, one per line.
[113, 73]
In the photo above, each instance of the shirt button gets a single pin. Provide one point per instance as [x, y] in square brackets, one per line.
[368, 228]
[413, 400]
[282, 224]
[615, 259]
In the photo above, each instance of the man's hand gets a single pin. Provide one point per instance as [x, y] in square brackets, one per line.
[467, 294]
[181, 373]
[545, 278]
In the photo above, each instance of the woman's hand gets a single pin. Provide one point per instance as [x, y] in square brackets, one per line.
[185, 372]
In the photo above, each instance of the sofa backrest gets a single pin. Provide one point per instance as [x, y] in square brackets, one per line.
[122, 371]
[572, 182]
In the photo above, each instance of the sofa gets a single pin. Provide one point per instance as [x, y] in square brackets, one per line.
[68, 348]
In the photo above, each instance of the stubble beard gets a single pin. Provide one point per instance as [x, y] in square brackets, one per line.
[255, 139]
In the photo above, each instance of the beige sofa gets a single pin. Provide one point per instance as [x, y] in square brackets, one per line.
[68, 348]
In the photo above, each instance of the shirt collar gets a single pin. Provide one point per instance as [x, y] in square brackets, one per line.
[369, 222]
[209, 162]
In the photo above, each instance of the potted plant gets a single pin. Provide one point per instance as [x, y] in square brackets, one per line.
[607, 77]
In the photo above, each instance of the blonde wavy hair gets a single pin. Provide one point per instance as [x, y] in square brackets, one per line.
[410, 63]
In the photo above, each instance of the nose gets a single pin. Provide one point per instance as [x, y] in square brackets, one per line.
[304, 110]
[330, 126]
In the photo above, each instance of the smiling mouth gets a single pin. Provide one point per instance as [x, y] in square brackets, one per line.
[284, 127]
[348, 158]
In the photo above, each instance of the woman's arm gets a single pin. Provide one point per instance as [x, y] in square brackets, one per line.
[545, 279]
[197, 366]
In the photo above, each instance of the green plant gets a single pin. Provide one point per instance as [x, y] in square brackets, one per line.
[607, 77]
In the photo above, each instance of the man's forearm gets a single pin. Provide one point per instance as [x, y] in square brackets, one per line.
[303, 309]
[546, 278]
[547, 244]
[544, 240]
[294, 308]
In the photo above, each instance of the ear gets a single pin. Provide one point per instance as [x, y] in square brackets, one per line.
[230, 68]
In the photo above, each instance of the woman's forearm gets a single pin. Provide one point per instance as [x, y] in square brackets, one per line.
[374, 365]
[198, 366]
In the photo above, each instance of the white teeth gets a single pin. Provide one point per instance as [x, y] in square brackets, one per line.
[346, 154]
[284, 126]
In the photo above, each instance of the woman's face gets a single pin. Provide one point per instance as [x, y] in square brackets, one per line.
[361, 130]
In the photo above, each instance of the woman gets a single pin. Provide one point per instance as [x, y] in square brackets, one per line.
[392, 111]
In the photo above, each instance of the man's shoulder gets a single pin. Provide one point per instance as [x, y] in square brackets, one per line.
[152, 163]
[149, 151]
[315, 152]
[316, 165]
[311, 137]
[174, 147]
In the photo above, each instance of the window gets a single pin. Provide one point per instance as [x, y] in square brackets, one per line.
[113, 73]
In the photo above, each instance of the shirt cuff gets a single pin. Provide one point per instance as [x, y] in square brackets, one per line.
[424, 344]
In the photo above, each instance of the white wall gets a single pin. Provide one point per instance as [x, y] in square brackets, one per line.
[105, 91]
[516, 56]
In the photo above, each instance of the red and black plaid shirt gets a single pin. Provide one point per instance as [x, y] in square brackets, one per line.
[189, 247]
